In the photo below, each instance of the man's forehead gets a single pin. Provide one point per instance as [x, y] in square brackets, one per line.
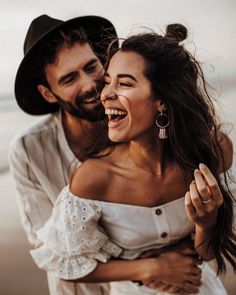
[78, 50]
[71, 59]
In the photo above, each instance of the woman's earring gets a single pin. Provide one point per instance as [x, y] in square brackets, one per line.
[162, 121]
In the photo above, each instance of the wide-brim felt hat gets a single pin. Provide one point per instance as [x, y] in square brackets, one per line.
[100, 33]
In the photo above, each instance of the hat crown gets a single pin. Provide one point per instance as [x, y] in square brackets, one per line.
[100, 32]
[39, 27]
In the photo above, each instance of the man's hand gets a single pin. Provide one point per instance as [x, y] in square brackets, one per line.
[184, 247]
[186, 288]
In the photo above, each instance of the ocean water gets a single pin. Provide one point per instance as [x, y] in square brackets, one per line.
[13, 119]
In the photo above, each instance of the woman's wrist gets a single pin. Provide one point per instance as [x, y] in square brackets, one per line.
[206, 227]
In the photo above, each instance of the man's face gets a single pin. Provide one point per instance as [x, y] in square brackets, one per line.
[74, 78]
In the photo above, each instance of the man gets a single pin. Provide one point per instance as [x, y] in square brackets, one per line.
[59, 75]
[60, 70]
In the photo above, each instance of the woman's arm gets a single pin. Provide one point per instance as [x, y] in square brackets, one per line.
[202, 202]
[204, 197]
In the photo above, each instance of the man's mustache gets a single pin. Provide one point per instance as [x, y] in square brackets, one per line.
[92, 94]
[95, 93]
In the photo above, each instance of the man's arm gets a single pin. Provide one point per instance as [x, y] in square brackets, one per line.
[33, 203]
[171, 267]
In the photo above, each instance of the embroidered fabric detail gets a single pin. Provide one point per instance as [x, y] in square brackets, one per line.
[72, 241]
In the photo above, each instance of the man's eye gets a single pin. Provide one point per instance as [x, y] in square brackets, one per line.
[105, 82]
[69, 79]
[91, 69]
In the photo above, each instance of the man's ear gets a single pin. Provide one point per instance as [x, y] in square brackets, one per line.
[46, 93]
[161, 106]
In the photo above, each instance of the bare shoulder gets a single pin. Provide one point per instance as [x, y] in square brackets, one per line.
[227, 150]
[91, 178]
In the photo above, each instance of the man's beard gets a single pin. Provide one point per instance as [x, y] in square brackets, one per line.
[79, 111]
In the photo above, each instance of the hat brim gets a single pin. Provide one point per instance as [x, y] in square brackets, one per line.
[27, 96]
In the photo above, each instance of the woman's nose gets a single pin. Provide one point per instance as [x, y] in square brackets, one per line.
[108, 94]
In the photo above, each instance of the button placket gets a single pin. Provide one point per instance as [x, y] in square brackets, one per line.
[161, 224]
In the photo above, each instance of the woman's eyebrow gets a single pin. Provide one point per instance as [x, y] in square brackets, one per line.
[122, 76]
[127, 76]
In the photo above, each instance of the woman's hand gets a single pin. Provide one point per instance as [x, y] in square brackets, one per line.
[203, 199]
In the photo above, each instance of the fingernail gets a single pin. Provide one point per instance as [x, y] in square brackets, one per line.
[202, 166]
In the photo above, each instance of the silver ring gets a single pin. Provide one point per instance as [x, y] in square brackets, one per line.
[207, 201]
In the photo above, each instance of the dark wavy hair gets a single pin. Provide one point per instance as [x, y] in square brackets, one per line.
[178, 81]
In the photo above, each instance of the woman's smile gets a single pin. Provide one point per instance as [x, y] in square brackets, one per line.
[115, 117]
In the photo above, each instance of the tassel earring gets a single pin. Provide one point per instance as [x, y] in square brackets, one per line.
[162, 121]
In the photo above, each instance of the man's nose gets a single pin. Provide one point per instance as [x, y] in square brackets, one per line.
[87, 83]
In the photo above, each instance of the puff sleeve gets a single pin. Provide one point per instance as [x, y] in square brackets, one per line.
[72, 240]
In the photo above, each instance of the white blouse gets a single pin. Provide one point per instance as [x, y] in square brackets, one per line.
[73, 240]
[82, 232]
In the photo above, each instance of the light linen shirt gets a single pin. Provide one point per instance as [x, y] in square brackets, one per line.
[41, 163]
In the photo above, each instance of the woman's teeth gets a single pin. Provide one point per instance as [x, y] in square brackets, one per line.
[114, 112]
[115, 115]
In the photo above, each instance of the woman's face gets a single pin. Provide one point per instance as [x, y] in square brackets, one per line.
[127, 98]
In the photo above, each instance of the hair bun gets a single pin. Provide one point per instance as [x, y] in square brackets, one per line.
[176, 31]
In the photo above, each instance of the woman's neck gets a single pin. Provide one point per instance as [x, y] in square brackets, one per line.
[150, 155]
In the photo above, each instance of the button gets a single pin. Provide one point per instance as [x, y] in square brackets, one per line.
[158, 212]
[164, 235]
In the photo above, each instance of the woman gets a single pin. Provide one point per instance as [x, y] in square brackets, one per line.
[152, 188]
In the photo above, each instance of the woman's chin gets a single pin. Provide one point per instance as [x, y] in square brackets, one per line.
[116, 138]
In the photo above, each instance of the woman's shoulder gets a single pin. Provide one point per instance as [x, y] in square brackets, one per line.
[91, 178]
[95, 176]
[226, 153]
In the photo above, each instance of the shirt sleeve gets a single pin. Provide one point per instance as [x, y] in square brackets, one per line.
[72, 240]
[232, 187]
[33, 203]
[231, 181]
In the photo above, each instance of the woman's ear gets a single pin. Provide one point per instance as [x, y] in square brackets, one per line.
[161, 106]
[46, 93]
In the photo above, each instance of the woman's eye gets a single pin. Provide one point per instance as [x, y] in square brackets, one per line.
[124, 84]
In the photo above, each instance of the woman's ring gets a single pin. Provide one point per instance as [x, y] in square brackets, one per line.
[207, 201]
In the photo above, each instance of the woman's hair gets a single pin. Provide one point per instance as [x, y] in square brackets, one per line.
[193, 133]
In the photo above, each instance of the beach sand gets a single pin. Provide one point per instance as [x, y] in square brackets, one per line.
[18, 273]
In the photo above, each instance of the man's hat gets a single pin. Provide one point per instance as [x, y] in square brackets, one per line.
[99, 31]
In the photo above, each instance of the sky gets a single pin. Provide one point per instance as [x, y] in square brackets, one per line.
[211, 25]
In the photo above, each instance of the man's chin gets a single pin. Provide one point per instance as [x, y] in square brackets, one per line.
[91, 106]
[89, 115]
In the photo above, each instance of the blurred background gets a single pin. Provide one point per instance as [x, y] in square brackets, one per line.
[211, 25]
